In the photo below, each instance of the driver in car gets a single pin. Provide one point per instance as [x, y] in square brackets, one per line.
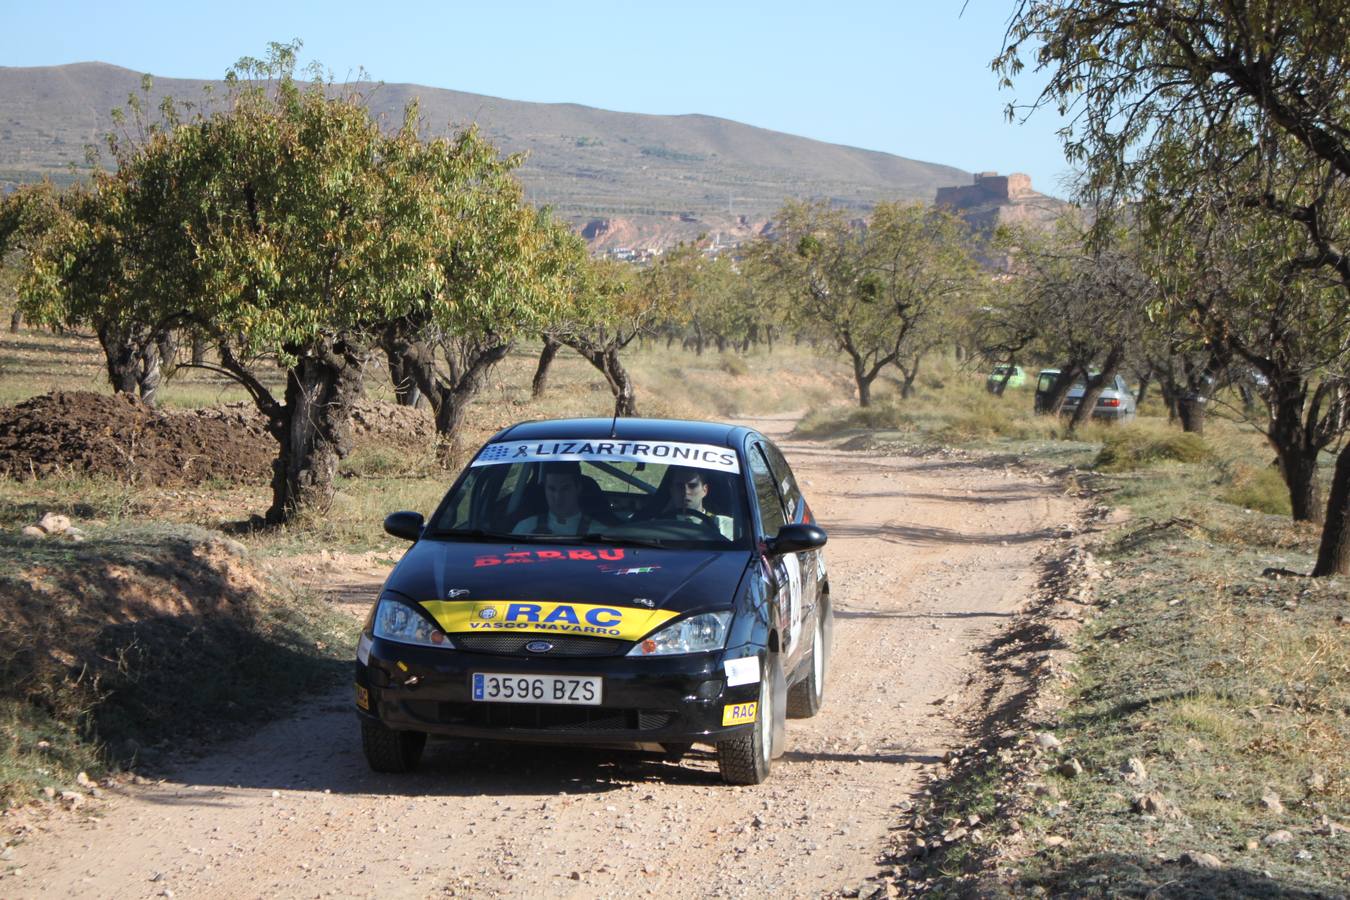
[562, 493]
[688, 490]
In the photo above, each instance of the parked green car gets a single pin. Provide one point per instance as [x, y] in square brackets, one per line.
[995, 383]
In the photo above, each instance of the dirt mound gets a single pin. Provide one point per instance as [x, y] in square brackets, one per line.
[388, 423]
[115, 436]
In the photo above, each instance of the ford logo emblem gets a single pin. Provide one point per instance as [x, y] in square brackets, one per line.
[538, 646]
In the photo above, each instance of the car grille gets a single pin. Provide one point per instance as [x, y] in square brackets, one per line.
[540, 717]
[563, 645]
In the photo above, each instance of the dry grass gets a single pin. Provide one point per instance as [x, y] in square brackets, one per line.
[1148, 443]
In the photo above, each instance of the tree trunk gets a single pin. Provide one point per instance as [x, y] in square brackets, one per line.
[1002, 385]
[1296, 453]
[862, 379]
[1054, 402]
[1094, 386]
[625, 394]
[16, 322]
[450, 401]
[314, 429]
[132, 360]
[1191, 410]
[546, 356]
[1300, 474]
[721, 343]
[406, 352]
[1248, 398]
[119, 356]
[198, 349]
[911, 373]
[149, 375]
[1333, 555]
[1144, 381]
[769, 336]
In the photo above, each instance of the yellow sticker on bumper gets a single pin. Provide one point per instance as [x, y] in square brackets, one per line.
[362, 697]
[619, 622]
[739, 713]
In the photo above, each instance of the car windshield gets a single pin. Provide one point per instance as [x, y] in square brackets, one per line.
[599, 492]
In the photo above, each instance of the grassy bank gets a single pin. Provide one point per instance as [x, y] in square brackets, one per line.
[118, 648]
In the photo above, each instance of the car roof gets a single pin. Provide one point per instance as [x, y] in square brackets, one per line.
[627, 429]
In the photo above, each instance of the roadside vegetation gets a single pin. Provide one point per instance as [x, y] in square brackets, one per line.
[1195, 646]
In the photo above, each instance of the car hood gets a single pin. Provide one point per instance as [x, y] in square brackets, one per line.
[537, 587]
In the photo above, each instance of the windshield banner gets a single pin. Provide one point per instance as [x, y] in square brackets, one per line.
[669, 453]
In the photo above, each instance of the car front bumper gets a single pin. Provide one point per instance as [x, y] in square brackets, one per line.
[675, 699]
[1112, 413]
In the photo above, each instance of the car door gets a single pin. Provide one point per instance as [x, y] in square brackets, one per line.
[811, 562]
[770, 516]
[795, 573]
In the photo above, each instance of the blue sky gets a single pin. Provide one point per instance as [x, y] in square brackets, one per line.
[902, 77]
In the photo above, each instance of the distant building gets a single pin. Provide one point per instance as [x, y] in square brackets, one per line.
[989, 187]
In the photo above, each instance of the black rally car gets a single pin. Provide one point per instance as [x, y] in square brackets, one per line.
[635, 581]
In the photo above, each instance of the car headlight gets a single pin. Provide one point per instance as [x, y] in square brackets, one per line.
[693, 635]
[396, 621]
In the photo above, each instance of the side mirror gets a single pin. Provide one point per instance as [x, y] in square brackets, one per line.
[406, 525]
[796, 538]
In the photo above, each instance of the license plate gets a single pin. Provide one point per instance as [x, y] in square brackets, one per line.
[564, 689]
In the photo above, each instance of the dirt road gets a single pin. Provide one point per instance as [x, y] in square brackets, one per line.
[927, 557]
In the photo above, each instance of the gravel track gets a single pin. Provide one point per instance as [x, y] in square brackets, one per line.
[927, 558]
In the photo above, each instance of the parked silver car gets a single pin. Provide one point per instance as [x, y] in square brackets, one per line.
[1116, 403]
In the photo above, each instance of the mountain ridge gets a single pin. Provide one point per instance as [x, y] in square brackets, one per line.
[674, 176]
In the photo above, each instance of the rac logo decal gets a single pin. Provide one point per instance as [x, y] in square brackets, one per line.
[540, 617]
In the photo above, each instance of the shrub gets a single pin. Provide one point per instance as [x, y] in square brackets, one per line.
[734, 365]
[1139, 446]
[1260, 489]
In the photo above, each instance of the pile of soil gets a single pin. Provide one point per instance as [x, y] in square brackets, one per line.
[115, 436]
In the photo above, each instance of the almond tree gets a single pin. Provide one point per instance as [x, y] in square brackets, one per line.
[608, 310]
[1234, 108]
[290, 229]
[874, 289]
[500, 276]
[85, 264]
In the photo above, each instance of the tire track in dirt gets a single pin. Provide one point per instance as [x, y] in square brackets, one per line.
[927, 558]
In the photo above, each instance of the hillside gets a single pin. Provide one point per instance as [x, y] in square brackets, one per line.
[656, 178]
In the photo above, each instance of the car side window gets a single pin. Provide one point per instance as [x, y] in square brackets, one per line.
[770, 505]
[787, 482]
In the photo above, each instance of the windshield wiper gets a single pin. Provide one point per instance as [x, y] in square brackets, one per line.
[472, 534]
[596, 538]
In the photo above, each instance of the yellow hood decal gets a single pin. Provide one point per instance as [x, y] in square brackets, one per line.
[622, 623]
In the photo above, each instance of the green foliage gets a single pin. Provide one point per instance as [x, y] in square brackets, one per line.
[884, 293]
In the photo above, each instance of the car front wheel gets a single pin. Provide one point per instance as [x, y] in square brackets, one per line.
[805, 698]
[747, 759]
[391, 751]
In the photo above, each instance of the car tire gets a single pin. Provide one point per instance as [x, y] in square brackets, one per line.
[748, 759]
[391, 751]
[805, 698]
